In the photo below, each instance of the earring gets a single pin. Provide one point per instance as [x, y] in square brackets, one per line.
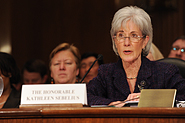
[52, 81]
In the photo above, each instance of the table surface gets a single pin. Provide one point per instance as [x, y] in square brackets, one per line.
[93, 112]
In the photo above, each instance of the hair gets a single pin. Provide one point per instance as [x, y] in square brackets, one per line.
[66, 46]
[35, 65]
[89, 54]
[9, 68]
[137, 16]
[156, 52]
[180, 37]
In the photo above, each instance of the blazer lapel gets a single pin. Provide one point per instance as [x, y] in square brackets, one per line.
[119, 79]
[144, 73]
[13, 100]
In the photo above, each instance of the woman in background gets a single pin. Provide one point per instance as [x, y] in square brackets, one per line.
[154, 53]
[64, 64]
[10, 74]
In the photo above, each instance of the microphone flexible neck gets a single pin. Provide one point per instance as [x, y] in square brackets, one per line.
[99, 57]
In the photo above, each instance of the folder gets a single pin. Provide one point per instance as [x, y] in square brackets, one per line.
[157, 98]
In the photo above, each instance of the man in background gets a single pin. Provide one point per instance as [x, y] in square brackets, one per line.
[35, 72]
[86, 61]
[178, 48]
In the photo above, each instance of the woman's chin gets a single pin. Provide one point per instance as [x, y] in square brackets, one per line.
[128, 59]
[62, 82]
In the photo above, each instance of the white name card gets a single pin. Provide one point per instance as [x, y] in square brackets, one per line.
[54, 94]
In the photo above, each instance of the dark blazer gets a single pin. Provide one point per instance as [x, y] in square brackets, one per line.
[111, 83]
[13, 100]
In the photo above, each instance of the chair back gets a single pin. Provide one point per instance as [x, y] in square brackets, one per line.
[178, 62]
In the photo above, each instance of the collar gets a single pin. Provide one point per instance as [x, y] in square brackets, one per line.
[119, 76]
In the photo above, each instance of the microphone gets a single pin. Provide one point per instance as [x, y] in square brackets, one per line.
[100, 57]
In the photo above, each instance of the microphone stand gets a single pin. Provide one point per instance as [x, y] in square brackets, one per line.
[99, 57]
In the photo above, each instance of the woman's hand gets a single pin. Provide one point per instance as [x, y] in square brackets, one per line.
[116, 104]
[133, 97]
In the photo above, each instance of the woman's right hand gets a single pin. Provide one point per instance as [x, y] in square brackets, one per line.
[116, 104]
[133, 97]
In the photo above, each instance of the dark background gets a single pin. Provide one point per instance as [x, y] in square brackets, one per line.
[34, 27]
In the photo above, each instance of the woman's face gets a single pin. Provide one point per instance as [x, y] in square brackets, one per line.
[131, 51]
[63, 67]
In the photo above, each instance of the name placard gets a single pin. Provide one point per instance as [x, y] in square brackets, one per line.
[54, 94]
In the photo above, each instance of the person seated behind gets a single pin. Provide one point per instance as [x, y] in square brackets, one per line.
[35, 71]
[10, 74]
[86, 61]
[64, 64]
[154, 53]
[178, 48]
[131, 35]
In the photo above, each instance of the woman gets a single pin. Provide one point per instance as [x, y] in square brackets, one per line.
[10, 74]
[64, 64]
[154, 53]
[131, 34]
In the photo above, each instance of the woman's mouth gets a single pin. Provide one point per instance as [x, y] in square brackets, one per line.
[127, 52]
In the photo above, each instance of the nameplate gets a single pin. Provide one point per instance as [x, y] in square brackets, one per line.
[54, 94]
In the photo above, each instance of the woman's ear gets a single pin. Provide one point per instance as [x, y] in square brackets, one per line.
[51, 74]
[145, 42]
[115, 42]
[77, 71]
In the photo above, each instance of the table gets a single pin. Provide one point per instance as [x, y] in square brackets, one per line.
[93, 115]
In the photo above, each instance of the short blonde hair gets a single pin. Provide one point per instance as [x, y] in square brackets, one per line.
[66, 46]
[156, 52]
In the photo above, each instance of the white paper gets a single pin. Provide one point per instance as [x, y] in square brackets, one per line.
[181, 104]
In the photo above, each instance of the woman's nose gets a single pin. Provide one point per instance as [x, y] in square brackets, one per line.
[127, 41]
[62, 66]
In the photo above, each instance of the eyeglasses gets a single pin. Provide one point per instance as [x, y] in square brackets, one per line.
[178, 48]
[120, 36]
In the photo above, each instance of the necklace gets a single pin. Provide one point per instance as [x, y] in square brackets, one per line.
[131, 77]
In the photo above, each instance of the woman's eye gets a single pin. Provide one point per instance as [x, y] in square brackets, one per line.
[56, 64]
[134, 35]
[120, 35]
[68, 63]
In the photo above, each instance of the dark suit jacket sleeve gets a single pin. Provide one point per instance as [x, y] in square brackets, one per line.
[13, 100]
[97, 89]
[163, 76]
[175, 81]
